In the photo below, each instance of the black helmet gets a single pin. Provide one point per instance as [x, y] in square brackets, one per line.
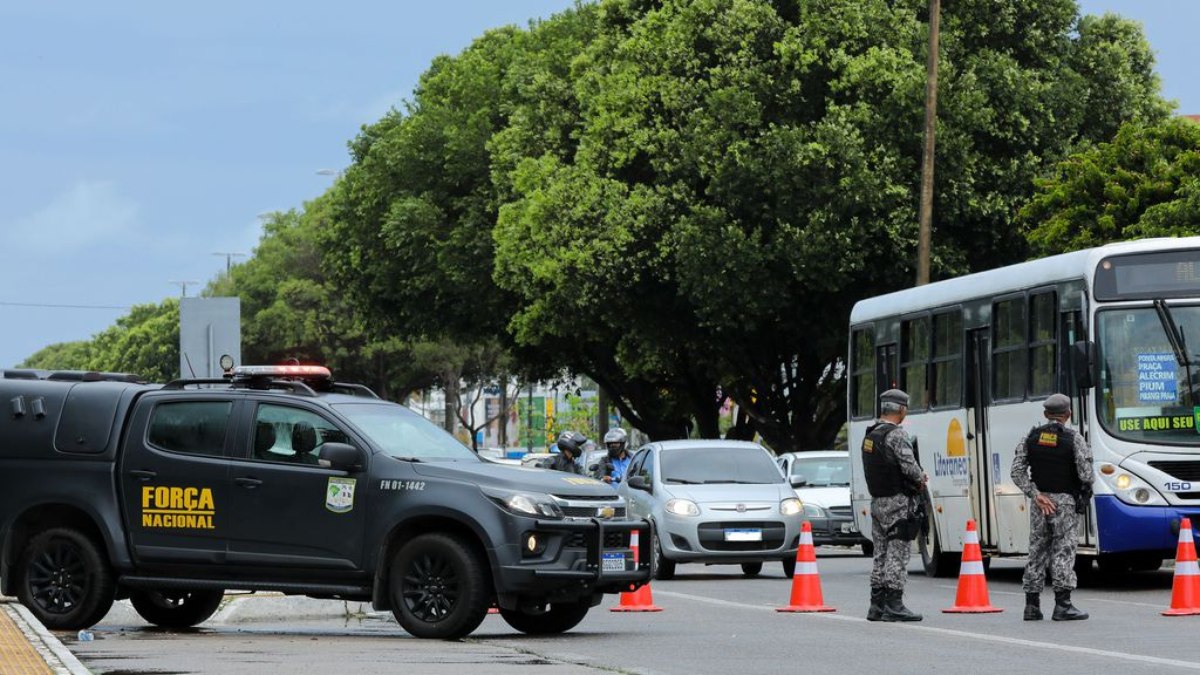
[571, 441]
[616, 440]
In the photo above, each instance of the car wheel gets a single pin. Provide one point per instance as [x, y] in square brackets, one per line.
[868, 548]
[559, 618]
[176, 609]
[66, 581]
[751, 569]
[663, 569]
[439, 588]
[789, 567]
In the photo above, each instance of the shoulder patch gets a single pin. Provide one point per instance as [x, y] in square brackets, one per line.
[869, 445]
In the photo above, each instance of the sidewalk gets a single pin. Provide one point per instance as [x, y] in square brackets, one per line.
[27, 648]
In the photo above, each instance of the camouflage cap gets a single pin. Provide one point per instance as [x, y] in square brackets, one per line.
[894, 396]
[1057, 404]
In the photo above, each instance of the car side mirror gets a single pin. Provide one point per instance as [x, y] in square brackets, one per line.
[1083, 363]
[798, 481]
[638, 483]
[341, 456]
[593, 468]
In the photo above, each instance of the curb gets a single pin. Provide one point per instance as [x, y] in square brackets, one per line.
[57, 656]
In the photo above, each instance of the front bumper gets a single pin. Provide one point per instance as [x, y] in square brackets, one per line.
[705, 539]
[836, 530]
[1127, 528]
[578, 558]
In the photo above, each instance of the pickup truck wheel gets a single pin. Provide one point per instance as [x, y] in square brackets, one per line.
[65, 580]
[176, 609]
[439, 587]
[558, 619]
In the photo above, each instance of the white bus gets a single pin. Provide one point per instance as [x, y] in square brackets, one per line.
[1111, 327]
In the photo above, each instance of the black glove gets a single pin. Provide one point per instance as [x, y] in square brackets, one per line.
[1082, 499]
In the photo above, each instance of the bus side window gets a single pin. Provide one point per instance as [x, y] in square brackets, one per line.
[914, 366]
[946, 367]
[862, 373]
[1009, 341]
[1043, 340]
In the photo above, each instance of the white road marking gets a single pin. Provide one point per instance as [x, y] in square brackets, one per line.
[1088, 598]
[985, 637]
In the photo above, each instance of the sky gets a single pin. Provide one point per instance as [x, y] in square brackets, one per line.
[139, 140]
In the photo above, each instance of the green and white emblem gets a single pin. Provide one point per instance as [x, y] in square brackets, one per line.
[339, 495]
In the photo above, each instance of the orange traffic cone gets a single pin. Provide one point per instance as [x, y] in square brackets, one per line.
[1185, 596]
[640, 600]
[972, 584]
[806, 583]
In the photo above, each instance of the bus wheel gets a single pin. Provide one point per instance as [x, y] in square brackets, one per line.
[936, 563]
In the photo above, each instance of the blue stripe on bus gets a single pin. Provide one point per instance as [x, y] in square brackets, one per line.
[1138, 528]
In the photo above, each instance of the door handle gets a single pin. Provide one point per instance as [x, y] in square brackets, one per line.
[247, 482]
[143, 474]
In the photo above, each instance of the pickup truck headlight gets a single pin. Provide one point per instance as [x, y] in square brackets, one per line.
[814, 511]
[682, 507]
[533, 504]
[1129, 488]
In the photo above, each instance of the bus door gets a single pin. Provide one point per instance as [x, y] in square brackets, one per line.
[1073, 330]
[980, 471]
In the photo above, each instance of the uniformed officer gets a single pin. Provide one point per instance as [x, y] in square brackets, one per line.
[569, 444]
[895, 481]
[1053, 467]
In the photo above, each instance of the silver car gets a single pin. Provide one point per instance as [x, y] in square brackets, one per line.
[715, 502]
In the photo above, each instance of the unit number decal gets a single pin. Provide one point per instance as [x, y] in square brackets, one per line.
[402, 485]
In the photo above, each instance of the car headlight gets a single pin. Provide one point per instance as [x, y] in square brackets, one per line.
[683, 507]
[1129, 488]
[814, 511]
[535, 504]
[792, 506]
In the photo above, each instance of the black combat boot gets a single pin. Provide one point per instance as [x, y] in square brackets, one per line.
[1064, 610]
[1033, 609]
[894, 609]
[875, 613]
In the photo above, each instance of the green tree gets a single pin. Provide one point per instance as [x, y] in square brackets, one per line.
[61, 356]
[144, 342]
[1144, 183]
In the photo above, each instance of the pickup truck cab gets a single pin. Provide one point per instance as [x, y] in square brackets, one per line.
[280, 479]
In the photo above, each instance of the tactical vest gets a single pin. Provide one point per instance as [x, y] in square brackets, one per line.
[1050, 449]
[881, 467]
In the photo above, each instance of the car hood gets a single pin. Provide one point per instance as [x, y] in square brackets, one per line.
[517, 478]
[731, 492]
[824, 496]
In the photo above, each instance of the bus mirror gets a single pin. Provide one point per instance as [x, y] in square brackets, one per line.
[1083, 363]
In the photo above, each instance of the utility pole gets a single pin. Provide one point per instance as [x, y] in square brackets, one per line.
[183, 286]
[229, 256]
[925, 215]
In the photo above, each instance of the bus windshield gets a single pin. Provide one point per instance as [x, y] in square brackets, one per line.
[1144, 393]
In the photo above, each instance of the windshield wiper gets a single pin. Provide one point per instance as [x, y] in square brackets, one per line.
[682, 480]
[417, 460]
[731, 481]
[1178, 342]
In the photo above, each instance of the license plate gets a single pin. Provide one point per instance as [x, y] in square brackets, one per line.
[613, 562]
[849, 528]
[743, 535]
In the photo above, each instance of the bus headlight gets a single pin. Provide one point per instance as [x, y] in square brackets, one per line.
[1129, 488]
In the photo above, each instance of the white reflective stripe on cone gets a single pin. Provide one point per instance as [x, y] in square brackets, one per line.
[971, 567]
[972, 537]
[806, 538]
[1188, 568]
[805, 568]
[1185, 535]
[634, 539]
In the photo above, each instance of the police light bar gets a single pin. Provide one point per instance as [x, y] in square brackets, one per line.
[310, 372]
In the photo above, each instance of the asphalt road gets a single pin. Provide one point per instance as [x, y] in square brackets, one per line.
[714, 621]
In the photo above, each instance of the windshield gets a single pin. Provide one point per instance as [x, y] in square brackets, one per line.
[718, 465]
[1144, 394]
[403, 433]
[822, 471]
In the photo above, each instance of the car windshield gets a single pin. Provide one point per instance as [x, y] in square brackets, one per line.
[1144, 394]
[403, 433]
[718, 465]
[822, 471]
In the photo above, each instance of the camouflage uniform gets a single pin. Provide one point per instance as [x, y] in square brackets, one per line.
[890, 568]
[1052, 538]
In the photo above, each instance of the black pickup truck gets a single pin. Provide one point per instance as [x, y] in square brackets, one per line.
[279, 479]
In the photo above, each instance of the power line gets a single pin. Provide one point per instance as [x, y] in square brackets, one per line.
[43, 305]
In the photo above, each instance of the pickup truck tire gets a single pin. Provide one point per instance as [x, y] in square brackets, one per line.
[176, 608]
[558, 619]
[65, 580]
[439, 587]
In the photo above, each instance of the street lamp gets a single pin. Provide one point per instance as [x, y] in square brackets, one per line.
[229, 256]
[183, 286]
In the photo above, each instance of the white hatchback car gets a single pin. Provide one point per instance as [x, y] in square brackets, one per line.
[822, 481]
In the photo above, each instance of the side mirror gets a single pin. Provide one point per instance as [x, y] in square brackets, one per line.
[593, 468]
[798, 481]
[638, 483]
[1083, 363]
[341, 456]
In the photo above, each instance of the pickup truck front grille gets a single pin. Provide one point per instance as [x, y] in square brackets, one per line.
[611, 540]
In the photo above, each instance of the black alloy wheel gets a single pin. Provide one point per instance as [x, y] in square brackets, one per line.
[439, 587]
[66, 582]
[176, 608]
